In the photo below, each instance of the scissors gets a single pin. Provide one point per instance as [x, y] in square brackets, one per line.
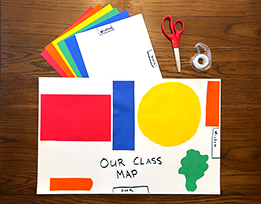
[174, 37]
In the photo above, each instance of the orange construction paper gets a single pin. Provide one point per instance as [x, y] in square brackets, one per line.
[212, 104]
[69, 184]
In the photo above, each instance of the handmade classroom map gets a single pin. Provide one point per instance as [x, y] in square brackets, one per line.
[159, 136]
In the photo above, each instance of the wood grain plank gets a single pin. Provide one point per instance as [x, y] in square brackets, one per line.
[130, 199]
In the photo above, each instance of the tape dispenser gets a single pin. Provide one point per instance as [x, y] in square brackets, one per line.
[201, 62]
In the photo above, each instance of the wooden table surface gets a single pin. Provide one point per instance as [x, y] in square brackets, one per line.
[232, 29]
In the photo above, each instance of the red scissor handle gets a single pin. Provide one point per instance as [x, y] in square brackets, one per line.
[175, 34]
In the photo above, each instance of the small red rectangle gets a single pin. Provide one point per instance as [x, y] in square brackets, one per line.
[75, 117]
[70, 184]
[213, 103]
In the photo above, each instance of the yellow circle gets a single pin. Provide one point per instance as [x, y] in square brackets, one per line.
[169, 113]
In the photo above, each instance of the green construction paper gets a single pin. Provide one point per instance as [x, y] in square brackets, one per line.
[62, 45]
[193, 167]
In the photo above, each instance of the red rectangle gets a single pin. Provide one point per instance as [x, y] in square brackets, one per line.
[212, 103]
[75, 117]
[70, 184]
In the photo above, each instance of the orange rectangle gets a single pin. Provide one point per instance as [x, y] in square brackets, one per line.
[70, 184]
[213, 103]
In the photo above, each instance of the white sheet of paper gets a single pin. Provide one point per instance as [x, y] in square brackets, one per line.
[120, 50]
[67, 159]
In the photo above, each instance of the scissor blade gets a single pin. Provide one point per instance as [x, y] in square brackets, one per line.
[177, 58]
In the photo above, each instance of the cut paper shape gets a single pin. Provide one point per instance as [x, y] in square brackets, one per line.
[53, 63]
[119, 59]
[92, 18]
[212, 104]
[73, 47]
[71, 184]
[123, 115]
[64, 49]
[193, 167]
[75, 117]
[169, 114]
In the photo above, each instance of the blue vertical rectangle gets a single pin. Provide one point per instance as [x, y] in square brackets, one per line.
[123, 115]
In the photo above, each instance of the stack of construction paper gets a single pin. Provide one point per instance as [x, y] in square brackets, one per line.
[104, 43]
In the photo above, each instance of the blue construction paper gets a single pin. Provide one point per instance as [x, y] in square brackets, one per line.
[123, 115]
[74, 49]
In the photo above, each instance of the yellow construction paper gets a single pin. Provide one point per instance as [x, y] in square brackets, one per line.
[169, 114]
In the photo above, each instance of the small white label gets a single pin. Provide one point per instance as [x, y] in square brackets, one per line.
[215, 143]
[131, 189]
[152, 58]
[105, 29]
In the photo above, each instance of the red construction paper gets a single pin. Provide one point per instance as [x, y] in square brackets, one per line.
[75, 117]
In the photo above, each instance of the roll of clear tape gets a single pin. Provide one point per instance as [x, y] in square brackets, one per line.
[205, 61]
[201, 62]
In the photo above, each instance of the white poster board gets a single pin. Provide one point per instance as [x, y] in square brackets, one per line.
[170, 142]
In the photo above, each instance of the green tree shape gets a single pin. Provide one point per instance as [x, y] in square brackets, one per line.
[193, 167]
